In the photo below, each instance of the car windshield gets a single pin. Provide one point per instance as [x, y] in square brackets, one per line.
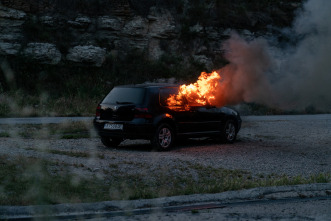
[123, 95]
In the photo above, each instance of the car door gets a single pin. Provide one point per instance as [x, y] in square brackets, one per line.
[207, 119]
[179, 111]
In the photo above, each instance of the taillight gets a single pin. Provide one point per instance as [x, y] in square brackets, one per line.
[97, 112]
[142, 113]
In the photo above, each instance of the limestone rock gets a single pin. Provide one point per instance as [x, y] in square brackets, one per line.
[137, 27]
[197, 29]
[13, 36]
[47, 20]
[203, 59]
[87, 54]
[9, 48]
[43, 52]
[10, 13]
[212, 33]
[154, 49]
[155, 27]
[11, 22]
[80, 22]
[161, 24]
[109, 23]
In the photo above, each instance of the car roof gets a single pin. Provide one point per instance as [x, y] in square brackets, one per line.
[148, 85]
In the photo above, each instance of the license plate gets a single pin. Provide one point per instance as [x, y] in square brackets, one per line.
[113, 127]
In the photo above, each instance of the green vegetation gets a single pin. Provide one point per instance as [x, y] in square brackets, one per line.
[68, 130]
[4, 134]
[28, 181]
[69, 153]
[69, 90]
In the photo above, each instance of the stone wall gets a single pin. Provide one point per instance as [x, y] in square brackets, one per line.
[42, 35]
[67, 29]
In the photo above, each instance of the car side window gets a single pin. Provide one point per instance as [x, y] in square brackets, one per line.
[165, 94]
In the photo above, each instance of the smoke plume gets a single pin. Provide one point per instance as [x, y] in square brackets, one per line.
[292, 77]
[244, 77]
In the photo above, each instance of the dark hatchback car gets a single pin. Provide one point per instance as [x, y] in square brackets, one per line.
[141, 112]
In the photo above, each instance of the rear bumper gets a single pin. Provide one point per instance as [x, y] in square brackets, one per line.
[131, 130]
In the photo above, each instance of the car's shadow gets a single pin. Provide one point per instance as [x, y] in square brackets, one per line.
[145, 145]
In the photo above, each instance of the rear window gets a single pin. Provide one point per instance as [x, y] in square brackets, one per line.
[121, 95]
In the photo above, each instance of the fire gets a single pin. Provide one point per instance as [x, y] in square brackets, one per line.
[201, 92]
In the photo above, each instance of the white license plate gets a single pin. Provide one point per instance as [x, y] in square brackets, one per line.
[113, 127]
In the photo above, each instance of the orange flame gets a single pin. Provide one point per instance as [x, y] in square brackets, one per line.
[201, 92]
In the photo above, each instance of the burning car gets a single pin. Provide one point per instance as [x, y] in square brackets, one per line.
[161, 113]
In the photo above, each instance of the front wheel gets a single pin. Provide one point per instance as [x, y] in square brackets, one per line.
[229, 132]
[163, 138]
[111, 142]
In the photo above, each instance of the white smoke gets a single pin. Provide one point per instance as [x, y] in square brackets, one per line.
[293, 77]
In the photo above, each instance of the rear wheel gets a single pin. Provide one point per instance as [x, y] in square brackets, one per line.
[163, 138]
[111, 142]
[229, 132]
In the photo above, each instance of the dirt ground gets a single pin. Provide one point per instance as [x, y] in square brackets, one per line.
[290, 145]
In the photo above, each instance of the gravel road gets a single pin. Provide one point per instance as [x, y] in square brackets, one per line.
[291, 145]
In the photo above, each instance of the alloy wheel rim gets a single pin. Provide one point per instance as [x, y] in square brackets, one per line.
[230, 131]
[165, 138]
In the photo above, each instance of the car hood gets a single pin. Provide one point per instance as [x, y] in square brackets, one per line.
[229, 111]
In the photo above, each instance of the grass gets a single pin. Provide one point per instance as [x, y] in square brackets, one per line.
[72, 130]
[61, 152]
[67, 130]
[28, 181]
[4, 134]
[19, 103]
[69, 153]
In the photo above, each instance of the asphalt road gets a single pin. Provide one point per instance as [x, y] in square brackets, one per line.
[281, 209]
[42, 120]
[302, 202]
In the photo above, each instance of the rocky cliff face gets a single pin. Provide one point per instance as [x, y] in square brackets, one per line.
[49, 35]
[86, 32]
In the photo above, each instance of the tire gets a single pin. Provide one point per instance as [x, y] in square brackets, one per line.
[163, 138]
[229, 132]
[111, 142]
